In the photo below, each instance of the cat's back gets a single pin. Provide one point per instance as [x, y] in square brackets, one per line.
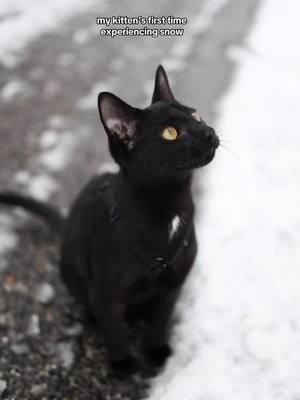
[95, 195]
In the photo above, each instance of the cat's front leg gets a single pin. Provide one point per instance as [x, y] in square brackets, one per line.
[158, 324]
[109, 316]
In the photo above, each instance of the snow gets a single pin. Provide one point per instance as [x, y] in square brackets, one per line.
[74, 330]
[20, 348]
[3, 385]
[33, 328]
[49, 138]
[89, 102]
[65, 354]
[108, 167]
[22, 177]
[44, 293]
[25, 21]
[239, 330]
[8, 238]
[57, 149]
[12, 89]
[183, 47]
[81, 36]
[42, 186]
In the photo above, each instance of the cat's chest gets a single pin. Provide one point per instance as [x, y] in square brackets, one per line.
[158, 234]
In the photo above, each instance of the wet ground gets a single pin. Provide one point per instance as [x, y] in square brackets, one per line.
[51, 142]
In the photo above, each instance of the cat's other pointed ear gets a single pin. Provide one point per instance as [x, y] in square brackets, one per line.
[162, 89]
[118, 118]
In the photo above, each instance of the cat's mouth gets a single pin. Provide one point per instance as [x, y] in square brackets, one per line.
[201, 162]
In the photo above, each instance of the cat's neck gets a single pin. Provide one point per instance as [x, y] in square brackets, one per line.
[165, 199]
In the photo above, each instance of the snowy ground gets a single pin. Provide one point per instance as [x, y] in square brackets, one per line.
[239, 334]
[26, 20]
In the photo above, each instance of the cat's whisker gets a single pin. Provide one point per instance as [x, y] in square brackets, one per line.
[222, 135]
[222, 140]
[229, 150]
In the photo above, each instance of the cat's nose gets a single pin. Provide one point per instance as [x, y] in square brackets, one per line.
[211, 138]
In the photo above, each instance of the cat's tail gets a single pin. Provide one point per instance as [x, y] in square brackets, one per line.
[43, 210]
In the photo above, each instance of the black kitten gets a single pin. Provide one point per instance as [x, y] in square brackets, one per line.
[129, 241]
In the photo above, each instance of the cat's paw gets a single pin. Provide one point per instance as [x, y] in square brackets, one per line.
[126, 366]
[157, 356]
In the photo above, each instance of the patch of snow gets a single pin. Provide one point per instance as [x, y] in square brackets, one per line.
[38, 389]
[33, 328]
[22, 177]
[81, 36]
[13, 88]
[90, 100]
[20, 348]
[3, 385]
[31, 21]
[49, 138]
[110, 167]
[56, 121]
[74, 330]
[65, 354]
[42, 186]
[9, 9]
[183, 46]
[56, 157]
[44, 293]
[238, 335]
[8, 238]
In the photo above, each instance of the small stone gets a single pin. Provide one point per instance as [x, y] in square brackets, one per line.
[3, 385]
[34, 325]
[20, 348]
[49, 316]
[44, 293]
[9, 283]
[38, 389]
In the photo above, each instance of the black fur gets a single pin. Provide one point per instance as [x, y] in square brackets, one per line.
[118, 257]
[45, 211]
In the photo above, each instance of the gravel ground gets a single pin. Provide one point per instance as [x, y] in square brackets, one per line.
[47, 351]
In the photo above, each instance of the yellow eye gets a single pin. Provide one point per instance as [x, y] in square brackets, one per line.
[196, 116]
[170, 133]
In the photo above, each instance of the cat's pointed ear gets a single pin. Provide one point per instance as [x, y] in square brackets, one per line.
[118, 118]
[162, 89]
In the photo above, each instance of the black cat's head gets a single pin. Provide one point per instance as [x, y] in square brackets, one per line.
[166, 140]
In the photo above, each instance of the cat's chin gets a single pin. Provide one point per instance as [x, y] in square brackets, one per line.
[200, 162]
